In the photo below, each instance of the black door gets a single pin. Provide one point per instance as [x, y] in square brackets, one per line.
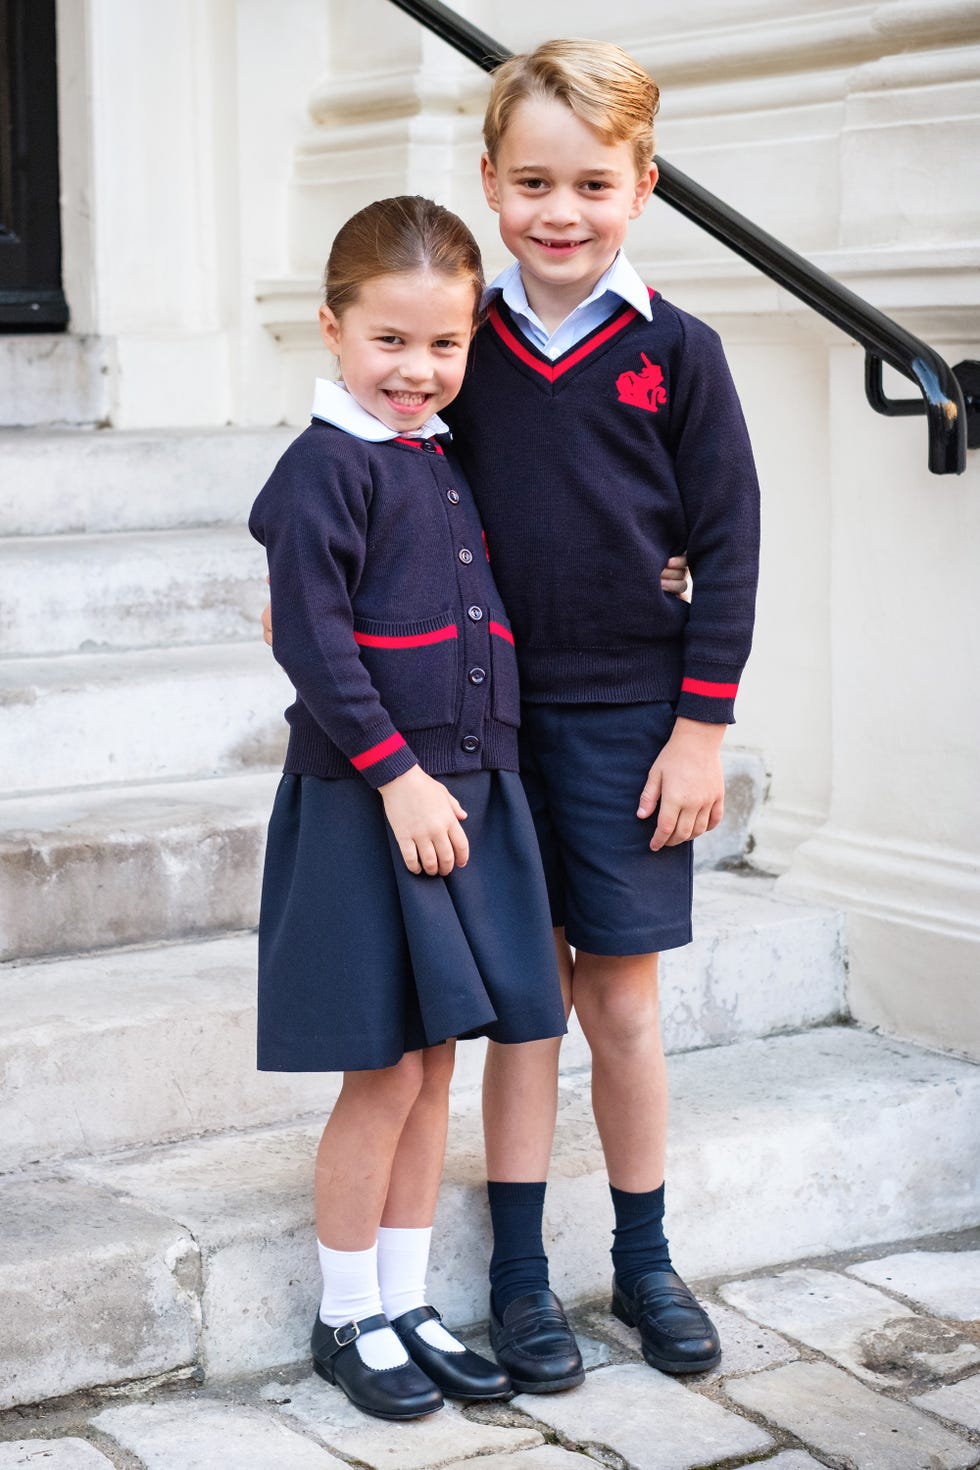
[31, 298]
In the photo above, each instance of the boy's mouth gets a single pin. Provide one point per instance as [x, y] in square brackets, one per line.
[558, 247]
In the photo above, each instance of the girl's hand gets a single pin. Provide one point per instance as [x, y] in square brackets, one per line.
[425, 816]
[673, 579]
[267, 619]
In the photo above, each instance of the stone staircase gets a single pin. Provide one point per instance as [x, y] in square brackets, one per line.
[155, 1189]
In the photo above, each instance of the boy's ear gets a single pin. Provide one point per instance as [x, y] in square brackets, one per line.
[330, 330]
[645, 186]
[489, 176]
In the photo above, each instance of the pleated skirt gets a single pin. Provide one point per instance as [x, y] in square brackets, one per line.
[361, 961]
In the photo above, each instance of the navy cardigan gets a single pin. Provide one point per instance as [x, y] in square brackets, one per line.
[385, 613]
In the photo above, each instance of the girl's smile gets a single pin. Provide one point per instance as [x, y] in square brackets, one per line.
[402, 344]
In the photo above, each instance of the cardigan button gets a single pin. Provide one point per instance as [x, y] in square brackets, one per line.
[452, 496]
[429, 447]
[477, 676]
[465, 555]
[470, 743]
[475, 614]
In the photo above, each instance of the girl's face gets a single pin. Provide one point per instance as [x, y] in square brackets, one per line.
[402, 344]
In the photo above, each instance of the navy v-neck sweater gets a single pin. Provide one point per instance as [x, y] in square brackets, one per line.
[589, 472]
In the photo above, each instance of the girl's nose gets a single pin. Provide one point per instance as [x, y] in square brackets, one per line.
[416, 367]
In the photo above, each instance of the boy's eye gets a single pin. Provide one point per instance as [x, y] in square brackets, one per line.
[596, 186]
[532, 183]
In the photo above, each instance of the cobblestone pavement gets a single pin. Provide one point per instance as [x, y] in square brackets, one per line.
[864, 1361]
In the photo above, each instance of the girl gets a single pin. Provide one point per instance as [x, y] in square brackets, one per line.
[382, 935]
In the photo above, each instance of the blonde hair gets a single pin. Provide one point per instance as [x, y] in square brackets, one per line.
[399, 236]
[599, 81]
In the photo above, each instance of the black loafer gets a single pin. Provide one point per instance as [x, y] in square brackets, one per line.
[534, 1343]
[677, 1335]
[387, 1393]
[463, 1375]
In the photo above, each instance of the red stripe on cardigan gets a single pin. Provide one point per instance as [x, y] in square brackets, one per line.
[553, 371]
[501, 632]
[406, 640]
[377, 752]
[711, 691]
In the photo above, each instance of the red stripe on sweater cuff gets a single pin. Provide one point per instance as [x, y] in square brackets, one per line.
[501, 631]
[407, 640]
[711, 691]
[377, 752]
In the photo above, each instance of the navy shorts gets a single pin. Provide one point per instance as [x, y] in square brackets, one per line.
[583, 768]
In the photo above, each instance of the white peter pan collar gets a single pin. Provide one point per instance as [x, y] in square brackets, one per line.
[333, 403]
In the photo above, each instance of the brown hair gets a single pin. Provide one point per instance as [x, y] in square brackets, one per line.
[398, 236]
[600, 82]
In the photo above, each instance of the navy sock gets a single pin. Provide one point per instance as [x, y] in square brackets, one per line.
[518, 1264]
[639, 1244]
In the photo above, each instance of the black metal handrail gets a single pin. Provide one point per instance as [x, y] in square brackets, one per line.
[952, 415]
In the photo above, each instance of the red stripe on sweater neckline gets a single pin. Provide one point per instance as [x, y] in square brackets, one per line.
[554, 370]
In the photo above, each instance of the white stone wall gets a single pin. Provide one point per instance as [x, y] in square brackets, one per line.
[201, 193]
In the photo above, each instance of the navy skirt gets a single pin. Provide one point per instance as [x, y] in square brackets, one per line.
[361, 961]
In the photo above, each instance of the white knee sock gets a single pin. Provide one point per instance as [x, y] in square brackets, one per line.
[350, 1292]
[403, 1259]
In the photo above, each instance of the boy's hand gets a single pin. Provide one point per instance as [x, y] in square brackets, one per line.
[674, 579]
[688, 781]
[425, 816]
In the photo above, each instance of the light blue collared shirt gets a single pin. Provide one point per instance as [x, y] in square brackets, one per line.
[619, 283]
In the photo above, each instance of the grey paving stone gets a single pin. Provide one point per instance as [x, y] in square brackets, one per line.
[548, 1457]
[200, 1434]
[436, 1440]
[835, 1416]
[959, 1402]
[51, 1454]
[873, 1335]
[946, 1283]
[791, 1460]
[651, 1421]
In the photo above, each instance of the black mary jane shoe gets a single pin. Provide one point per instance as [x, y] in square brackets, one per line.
[461, 1375]
[387, 1393]
[534, 1343]
[676, 1334]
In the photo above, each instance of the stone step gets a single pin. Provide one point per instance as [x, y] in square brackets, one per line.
[87, 869]
[131, 589]
[152, 715]
[60, 481]
[201, 1253]
[79, 1038]
[91, 868]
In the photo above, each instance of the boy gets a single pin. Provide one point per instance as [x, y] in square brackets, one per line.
[601, 432]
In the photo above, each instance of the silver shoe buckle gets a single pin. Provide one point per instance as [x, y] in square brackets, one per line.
[350, 1327]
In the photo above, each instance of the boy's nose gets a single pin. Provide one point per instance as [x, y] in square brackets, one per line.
[561, 207]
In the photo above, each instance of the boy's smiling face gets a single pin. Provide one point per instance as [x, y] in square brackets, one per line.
[565, 199]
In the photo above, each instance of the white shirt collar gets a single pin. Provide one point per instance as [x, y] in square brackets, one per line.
[333, 403]
[621, 279]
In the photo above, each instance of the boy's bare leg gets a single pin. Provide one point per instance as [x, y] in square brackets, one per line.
[616, 1001]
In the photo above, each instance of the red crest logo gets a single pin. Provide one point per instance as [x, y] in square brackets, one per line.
[644, 389]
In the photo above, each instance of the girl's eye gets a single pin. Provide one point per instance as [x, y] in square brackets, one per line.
[445, 344]
[390, 341]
